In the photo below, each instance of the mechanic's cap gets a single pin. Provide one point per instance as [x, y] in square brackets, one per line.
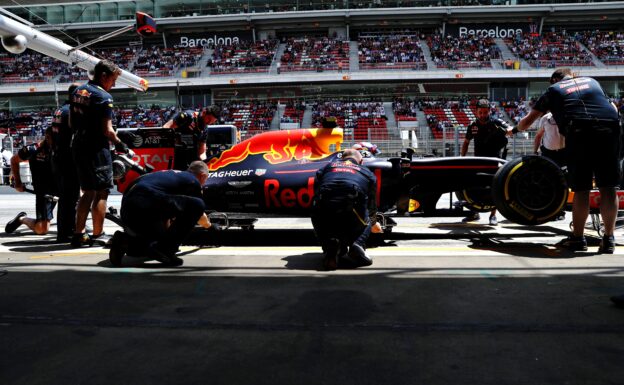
[483, 103]
[329, 122]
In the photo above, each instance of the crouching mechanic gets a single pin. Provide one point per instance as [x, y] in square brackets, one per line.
[159, 210]
[344, 209]
[38, 156]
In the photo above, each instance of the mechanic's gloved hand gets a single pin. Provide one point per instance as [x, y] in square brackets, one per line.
[376, 228]
[121, 147]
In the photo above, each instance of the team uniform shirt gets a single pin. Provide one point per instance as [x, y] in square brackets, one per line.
[576, 100]
[189, 133]
[552, 139]
[39, 161]
[346, 174]
[169, 182]
[489, 137]
[591, 127]
[90, 103]
[61, 134]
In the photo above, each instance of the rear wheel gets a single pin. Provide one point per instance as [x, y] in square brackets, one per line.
[530, 190]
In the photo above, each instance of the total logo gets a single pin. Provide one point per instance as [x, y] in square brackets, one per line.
[151, 159]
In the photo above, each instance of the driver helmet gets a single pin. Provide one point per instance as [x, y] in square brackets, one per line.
[367, 149]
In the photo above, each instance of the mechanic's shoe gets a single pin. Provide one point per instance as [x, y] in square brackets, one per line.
[118, 248]
[493, 220]
[330, 254]
[359, 256]
[102, 239]
[14, 223]
[165, 257]
[560, 216]
[618, 300]
[80, 240]
[472, 217]
[573, 243]
[607, 245]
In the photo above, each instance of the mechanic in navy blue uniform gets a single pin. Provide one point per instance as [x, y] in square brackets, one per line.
[38, 156]
[344, 209]
[190, 135]
[160, 209]
[591, 125]
[90, 117]
[64, 171]
[490, 139]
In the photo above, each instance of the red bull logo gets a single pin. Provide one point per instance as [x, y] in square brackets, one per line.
[282, 146]
[84, 93]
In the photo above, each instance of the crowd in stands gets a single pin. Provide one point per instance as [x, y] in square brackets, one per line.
[157, 61]
[245, 56]
[28, 67]
[390, 52]
[315, 54]
[516, 109]
[249, 117]
[361, 120]
[607, 46]
[405, 108]
[463, 52]
[294, 111]
[550, 49]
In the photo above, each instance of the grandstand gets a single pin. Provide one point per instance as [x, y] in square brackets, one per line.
[397, 77]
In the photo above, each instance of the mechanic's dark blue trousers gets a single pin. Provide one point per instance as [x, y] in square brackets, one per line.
[68, 193]
[342, 216]
[146, 213]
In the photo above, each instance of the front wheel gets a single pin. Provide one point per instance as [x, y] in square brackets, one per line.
[530, 190]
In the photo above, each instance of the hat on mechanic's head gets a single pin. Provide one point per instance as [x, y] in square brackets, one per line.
[483, 103]
[329, 122]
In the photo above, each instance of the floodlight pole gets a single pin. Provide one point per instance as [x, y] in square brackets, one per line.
[104, 37]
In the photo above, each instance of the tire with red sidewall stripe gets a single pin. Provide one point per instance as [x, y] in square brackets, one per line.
[530, 190]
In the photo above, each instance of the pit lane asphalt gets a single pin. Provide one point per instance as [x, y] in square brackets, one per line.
[443, 303]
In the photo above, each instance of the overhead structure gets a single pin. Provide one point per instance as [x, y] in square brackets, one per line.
[16, 37]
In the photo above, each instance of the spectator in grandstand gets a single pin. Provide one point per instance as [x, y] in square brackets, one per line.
[38, 156]
[591, 126]
[490, 137]
[344, 209]
[160, 209]
[549, 141]
[190, 135]
[64, 171]
[90, 118]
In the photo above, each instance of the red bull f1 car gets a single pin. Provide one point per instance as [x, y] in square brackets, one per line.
[272, 174]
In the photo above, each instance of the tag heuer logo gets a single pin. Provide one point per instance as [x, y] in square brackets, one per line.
[260, 171]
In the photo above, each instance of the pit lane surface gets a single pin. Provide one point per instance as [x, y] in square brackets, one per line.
[443, 303]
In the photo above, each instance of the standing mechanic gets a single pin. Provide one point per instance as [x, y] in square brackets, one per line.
[38, 157]
[90, 117]
[64, 171]
[490, 137]
[344, 209]
[190, 135]
[160, 209]
[591, 126]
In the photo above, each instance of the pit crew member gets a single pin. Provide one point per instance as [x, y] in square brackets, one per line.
[38, 157]
[160, 209]
[190, 135]
[90, 116]
[344, 209]
[490, 139]
[591, 126]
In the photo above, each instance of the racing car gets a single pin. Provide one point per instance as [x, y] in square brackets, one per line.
[272, 174]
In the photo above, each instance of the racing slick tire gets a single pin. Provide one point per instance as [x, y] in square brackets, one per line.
[530, 190]
[477, 199]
